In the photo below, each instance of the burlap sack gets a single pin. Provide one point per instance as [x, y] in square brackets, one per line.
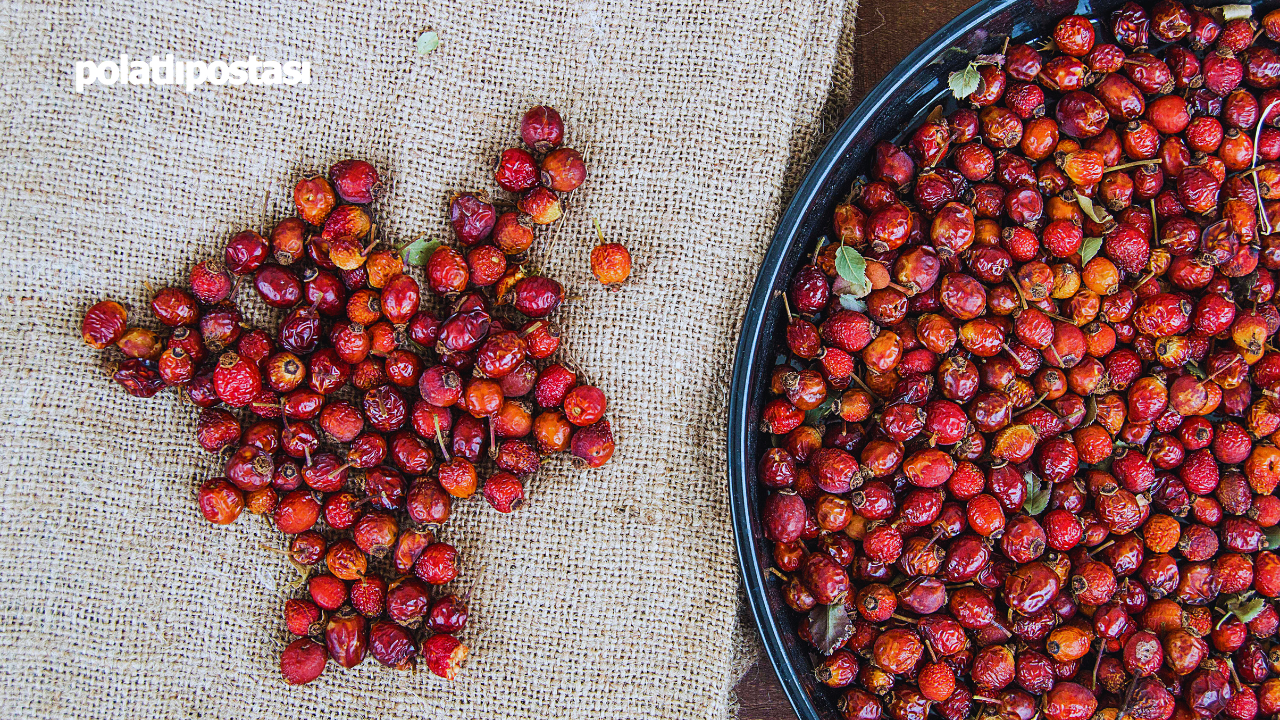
[612, 594]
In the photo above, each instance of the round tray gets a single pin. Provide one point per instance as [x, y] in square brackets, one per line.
[899, 102]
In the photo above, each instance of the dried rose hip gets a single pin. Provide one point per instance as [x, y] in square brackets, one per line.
[611, 263]
[562, 170]
[473, 218]
[516, 170]
[303, 661]
[104, 324]
[540, 206]
[444, 655]
[542, 129]
[355, 180]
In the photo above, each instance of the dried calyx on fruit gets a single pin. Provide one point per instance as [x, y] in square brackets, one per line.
[1022, 458]
[376, 406]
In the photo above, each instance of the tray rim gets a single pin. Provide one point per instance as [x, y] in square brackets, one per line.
[748, 355]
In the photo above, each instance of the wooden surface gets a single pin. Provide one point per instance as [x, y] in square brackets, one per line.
[887, 30]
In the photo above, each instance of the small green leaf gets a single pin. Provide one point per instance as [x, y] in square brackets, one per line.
[1195, 371]
[817, 417]
[427, 42]
[964, 83]
[1089, 250]
[1236, 12]
[1086, 205]
[1090, 411]
[1250, 610]
[1038, 494]
[853, 268]
[418, 251]
[849, 302]
[1273, 537]
[829, 627]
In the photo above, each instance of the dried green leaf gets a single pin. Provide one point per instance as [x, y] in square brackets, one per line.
[964, 83]
[849, 302]
[853, 268]
[1090, 411]
[1250, 610]
[817, 417]
[1195, 371]
[1089, 250]
[418, 251]
[1038, 494]
[1273, 537]
[427, 42]
[1236, 12]
[829, 627]
[1086, 204]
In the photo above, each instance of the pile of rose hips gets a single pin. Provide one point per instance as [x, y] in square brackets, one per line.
[365, 415]
[1031, 472]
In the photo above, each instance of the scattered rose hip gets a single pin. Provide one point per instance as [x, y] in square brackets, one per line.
[1022, 457]
[374, 407]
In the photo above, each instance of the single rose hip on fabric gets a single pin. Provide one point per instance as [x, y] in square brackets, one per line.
[104, 324]
[296, 512]
[210, 282]
[307, 548]
[518, 457]
[448, 614]
[288, 241]
[355, 180]
[562, 170]
[542, 129]
[540, 206]
[347, 637]
[302, 661]
[220, 502]
[504, 492]
[314, 198]
[457, 477]
[516, 170]
[444, 655]
[176, 367]
[400, 299]
[447, 271]
[593, 444]
[140, 343]
[511, 234]
[303, 617]
[392, 645]
[438, 564]
[584, 405]
[611, 263]
[174, 306]
[369, 596]
[473, 218]
[245, 252]
[346, 224]
[487, 264]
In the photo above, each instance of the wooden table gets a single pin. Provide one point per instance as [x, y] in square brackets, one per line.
[887, 30]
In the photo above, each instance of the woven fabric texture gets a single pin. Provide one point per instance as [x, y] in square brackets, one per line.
[613, 592]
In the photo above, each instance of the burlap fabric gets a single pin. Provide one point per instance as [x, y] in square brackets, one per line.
[613, 593]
